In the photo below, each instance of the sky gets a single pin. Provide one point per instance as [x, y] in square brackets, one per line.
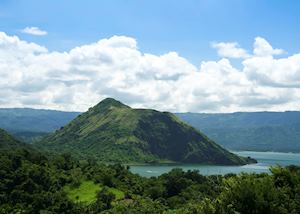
[179, 56]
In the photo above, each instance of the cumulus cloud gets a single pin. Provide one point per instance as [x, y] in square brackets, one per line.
[32, 76]
[230, 50]
[263, 48]
[277, 73]
[34, 31]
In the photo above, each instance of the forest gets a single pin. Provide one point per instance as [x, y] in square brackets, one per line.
[34, 182]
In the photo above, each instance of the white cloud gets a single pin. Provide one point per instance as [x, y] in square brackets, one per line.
[263, 48]
[230, 50]
[34, 31]
[31, 76]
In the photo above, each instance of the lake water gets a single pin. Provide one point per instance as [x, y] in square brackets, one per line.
[265, 160]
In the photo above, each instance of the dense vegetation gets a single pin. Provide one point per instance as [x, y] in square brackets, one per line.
[8, 142]
[31, 182]
[256, 131]
[114, 132]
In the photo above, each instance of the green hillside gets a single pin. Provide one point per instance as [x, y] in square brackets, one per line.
[114, 132]
[7, 142]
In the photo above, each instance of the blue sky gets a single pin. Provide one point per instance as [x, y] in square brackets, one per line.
[198, 56]
[187, 27]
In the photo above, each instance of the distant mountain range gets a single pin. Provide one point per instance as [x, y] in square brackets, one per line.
[114, 132]
[31, 124]
[257, 131]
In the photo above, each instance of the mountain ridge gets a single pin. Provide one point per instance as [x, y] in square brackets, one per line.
[256, 131]
[112, 131]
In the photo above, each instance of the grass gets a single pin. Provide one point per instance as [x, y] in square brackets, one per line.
[118, 193]
[87, 191]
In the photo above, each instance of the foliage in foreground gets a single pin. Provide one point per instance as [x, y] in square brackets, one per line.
[33, 183]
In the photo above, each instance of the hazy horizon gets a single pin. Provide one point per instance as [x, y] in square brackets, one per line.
[183, 112]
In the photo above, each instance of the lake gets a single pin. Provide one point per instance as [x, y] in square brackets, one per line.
[265, 160]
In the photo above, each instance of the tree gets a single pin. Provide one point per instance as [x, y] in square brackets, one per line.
[104, 200]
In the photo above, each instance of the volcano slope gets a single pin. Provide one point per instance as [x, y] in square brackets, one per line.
[115, 133]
